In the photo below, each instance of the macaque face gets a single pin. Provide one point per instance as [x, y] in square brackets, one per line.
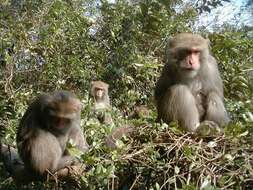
[189, 61]
[59, 115]
[99, 93]
[59, 123]
[55, 121]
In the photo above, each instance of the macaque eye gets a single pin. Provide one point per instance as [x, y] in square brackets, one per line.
[181, 54]
[195, 51]
[60, 122]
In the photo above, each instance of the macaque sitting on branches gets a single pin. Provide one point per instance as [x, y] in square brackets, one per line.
[190, 88]
[102, 107]
[44, 130]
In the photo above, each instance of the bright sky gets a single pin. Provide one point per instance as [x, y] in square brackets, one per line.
[229, 12]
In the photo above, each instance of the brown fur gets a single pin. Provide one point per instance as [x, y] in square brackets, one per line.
[102, 105]
[41, 145]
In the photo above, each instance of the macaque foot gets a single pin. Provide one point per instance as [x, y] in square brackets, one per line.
[208, 129]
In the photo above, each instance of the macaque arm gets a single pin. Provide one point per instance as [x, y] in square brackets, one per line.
[179, 105]
[210, 77]
[162, 85]
[215, 109]
[21, 176]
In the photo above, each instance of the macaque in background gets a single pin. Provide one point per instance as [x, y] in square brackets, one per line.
[190, 88]
[102, 107]
[44, 130]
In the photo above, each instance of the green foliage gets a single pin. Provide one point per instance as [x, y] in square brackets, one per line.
[233, 49]
[48, 45]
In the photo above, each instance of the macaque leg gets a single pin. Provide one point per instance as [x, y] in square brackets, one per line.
[179, 104]
[50, 157]
[215, 109]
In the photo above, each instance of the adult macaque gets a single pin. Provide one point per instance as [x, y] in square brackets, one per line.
[99, 91]
[190, 88]
[46, 127]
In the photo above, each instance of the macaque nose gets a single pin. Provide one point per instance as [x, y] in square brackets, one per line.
[190, 61]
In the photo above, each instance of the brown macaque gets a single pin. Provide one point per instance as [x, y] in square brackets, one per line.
[117, 134]
[190, 88]
[102, 107]
[47, 125]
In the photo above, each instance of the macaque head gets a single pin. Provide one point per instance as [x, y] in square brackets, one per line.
[60, 110]
[188, 53]
[99, 90]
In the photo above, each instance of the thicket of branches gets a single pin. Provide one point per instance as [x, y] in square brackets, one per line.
[49, 45]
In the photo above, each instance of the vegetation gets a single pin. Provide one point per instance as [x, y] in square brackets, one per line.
[60, 44]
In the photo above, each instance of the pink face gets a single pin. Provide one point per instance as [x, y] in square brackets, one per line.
[99, 93]
[191, 60]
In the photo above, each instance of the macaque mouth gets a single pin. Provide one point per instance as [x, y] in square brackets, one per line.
[188, 68]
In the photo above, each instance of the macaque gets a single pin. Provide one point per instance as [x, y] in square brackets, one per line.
[102, 107]
[190, 88]
[47, 125]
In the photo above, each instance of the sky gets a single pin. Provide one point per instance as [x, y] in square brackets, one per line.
[229, 12]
